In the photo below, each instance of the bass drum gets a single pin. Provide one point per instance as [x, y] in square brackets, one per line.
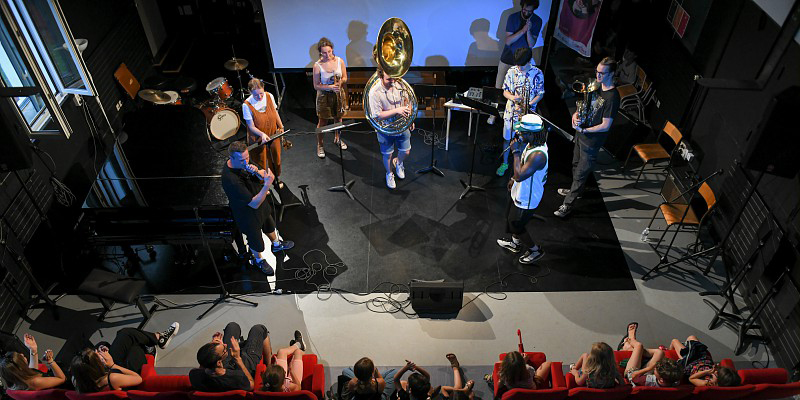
[223, 122]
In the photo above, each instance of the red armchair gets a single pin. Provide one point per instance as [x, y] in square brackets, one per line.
[770, 383]
[298, 395]
[49, 394]
[170, 395]
[152, 382]
[655, 393]
[313, 375]
[582, 392]
[556, 389]
[107, 395]
[229, 395]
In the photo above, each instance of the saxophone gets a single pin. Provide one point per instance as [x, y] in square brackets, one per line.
[590, 104]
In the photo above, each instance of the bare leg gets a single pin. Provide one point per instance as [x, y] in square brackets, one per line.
[387, 162]
[338, 131]
[320, 135]
[543, 372]
[296, 368]
[401, 155]
[635, 361]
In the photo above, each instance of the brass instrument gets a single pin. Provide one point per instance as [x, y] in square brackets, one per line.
[393, 52]
[344, 100]
[591, 102]
[286, 143]
[524, 106]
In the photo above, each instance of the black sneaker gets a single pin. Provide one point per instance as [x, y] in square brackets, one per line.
[282, 245]
[298, 338]
[166, 336]
[531, 256]
[509, 245]
[265, 268]
[563, 211]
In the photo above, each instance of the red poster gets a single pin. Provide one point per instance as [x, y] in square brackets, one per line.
[576, 22]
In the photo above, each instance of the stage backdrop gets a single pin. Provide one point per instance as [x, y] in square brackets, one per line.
[446, 33]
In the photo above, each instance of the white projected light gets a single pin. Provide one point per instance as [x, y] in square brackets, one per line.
[446, 33]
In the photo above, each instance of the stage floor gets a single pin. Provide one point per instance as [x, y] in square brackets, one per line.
[421, 230]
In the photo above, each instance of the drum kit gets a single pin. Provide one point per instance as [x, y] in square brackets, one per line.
[160, 98]
[223, 120]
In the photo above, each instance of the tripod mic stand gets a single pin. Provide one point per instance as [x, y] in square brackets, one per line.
[345, 186]
[435, 91]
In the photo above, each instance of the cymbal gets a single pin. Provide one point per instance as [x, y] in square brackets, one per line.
[236, 64]
[154, 96]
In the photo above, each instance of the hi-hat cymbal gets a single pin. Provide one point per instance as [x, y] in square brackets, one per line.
[236, 64]
[154, 96]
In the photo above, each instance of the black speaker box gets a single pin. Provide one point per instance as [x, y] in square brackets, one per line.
[775, 145]
[440, 300]
[15, 146]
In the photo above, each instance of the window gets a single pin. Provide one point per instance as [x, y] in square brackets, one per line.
[39, 64]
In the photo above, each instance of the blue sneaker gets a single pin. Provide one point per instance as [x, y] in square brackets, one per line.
[282, 245]
[501, 170]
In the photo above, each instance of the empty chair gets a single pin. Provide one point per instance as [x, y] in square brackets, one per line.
[655, 152]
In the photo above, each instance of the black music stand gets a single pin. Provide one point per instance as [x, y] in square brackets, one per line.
[281, 206]
[488, 109]
[345, 186]
[435, 91]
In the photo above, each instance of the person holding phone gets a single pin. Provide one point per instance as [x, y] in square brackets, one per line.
[21, 373]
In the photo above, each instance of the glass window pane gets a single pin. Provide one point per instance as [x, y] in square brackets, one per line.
[14, 74]
[53, 42]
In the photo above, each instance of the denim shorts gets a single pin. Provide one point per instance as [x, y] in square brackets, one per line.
[388, 142]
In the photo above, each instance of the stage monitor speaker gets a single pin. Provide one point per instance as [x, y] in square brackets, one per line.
[440, 300]
[775, 147]
[15, 145]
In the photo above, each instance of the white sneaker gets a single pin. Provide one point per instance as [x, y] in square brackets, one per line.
[390, 181]
[399, 169]
[490, 120]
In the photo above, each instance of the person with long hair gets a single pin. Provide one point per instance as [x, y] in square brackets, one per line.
[283, 376]
[20, 373]
[260, 113]
[330, 73]
[699, 366]
[116, 366]
[366, 382]
[418, 386]
[516, 372]
[597, 369]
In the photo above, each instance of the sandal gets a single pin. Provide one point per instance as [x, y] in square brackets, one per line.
[627, 329]
[470, 384]
[453, 360]
[320, 152]
[341, 143]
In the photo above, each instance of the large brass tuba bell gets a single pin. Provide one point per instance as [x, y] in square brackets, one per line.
[393, 52]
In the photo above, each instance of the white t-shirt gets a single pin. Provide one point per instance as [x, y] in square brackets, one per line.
[382, 99]
[260, 106]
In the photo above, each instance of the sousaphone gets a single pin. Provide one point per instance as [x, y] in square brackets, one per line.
[393, 52]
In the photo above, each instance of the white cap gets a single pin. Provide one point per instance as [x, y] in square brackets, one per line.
[532, 122]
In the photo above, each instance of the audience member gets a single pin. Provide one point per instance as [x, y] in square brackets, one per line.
[281, 376]
[697, 364]
[225, 365]
[20, 373]
[366, 382]
[659, 371]
[596, 369]
[516, 371]
[95, 369]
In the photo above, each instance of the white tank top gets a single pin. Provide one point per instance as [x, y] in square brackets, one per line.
[528, 193]
[325, 77]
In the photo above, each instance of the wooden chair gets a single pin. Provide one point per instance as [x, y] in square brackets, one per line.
[681, 215]
[654, 152]
[631, 90]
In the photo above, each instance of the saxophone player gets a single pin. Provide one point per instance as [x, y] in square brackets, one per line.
[591, 134]
[330, 74]
[524, 83]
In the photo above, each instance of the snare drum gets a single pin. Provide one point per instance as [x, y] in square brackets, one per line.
[223, 122]
[220, 88]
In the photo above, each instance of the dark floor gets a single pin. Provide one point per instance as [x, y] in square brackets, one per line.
[421, 230]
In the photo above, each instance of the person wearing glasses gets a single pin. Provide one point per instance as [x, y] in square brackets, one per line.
[227, 365]
[589, 139]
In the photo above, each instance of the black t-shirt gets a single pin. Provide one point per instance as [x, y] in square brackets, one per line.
[234, 379]
[240, 187]
[609, 107]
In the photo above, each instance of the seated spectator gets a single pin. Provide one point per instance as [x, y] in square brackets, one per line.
[95, 370]
[282, 377]
[699, 366]
[596, 369]
[225, 365]
[366, 382]
[20, 373]
[517, 372]
[659, 371]
[418, 386]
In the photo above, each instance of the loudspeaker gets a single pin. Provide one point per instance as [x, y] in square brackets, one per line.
[440, 300]
[15, 146]
[775, 148]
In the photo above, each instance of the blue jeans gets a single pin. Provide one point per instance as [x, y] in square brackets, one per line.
[389, 142]
[388, 376]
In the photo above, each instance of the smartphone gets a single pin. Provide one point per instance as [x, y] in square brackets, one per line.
[102, 348]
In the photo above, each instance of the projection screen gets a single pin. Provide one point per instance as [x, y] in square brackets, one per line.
[460, 33]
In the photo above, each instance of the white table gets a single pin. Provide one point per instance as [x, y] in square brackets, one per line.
[451, 105]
